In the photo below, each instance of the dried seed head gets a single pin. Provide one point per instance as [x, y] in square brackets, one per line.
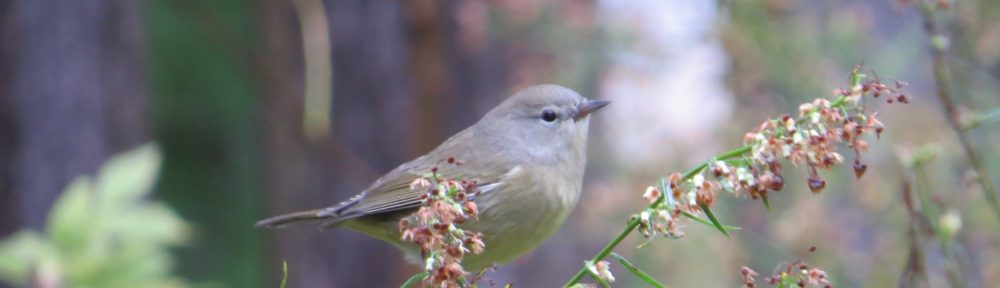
[859, 169]
[652, 194]
[772, 181]
[816, 184]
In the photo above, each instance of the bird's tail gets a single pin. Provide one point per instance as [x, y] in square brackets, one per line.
[281, 221]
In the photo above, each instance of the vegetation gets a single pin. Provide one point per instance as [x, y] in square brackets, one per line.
[102, 232]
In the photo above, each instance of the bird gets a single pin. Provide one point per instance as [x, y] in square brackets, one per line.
[527, 157]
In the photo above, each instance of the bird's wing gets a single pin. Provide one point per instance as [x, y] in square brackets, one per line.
[392, 192]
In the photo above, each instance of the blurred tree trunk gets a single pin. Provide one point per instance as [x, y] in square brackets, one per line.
[10, 217]
[71, 73]
[73, 94]
[454, 85]
[371, 98]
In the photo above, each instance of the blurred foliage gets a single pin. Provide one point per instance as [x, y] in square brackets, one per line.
[204, 114]
[101, 232]
[781, 50]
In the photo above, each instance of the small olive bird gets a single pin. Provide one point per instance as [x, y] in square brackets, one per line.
[526, 156]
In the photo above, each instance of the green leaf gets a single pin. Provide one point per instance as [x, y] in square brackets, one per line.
[19, 254]
[133, 265]
[708, 223]
[635, 270]
[416, 278]
[788, 280]
[128, 177]
[103, 234]
[645, 242]
[715, 222]
[72, 224]
[150, 223]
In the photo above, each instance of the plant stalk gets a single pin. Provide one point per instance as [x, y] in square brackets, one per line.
[942, 78]
[633, 223]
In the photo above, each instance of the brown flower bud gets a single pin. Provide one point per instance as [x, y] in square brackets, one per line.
[816, 184]
[859, 169]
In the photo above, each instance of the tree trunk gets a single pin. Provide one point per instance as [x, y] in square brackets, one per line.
[73, 73]
[370, 101]
[72, 95]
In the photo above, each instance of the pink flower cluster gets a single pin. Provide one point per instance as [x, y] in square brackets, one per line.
[797, 274]
[434, 227]
[809, 139]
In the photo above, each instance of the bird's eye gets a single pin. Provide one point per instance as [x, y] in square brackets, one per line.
[549, 116]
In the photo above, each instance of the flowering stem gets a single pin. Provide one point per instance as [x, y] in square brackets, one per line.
[724, 156]
[856, 80]
[939, 46]
[634, 222]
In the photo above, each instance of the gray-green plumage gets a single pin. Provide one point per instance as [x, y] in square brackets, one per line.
[530, 172]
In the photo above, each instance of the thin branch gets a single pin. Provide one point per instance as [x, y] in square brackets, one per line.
[319, 71]
[942, 78]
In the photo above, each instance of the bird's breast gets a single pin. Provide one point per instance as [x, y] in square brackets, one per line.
[519, 215]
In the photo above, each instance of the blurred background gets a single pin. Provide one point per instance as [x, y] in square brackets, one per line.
[264, 107]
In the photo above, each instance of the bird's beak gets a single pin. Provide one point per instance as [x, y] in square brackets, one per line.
[590, 106]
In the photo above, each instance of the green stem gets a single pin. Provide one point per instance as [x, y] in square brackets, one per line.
[284, 274]
[633, 223]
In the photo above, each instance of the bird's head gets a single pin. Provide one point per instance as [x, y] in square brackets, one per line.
[548, 122]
